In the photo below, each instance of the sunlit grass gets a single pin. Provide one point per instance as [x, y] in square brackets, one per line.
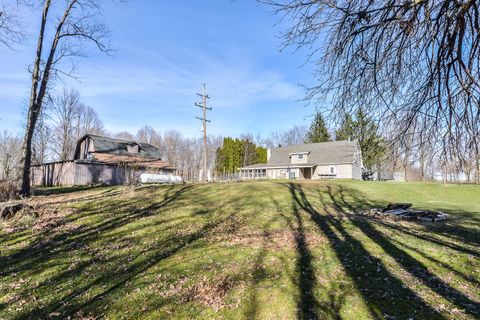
[266, 250]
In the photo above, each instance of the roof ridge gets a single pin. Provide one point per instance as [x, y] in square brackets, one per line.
[118, 139]
[316, 143]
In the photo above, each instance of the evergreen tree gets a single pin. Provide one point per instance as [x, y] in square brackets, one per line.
[371, 143]
[346, 130]
[318, 131]
[262, 154]
[220, 164]
[363, 129]
[236, 153]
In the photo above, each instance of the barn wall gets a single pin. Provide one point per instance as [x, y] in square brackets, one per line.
[76, 173]
[54, 174]
[92, 173]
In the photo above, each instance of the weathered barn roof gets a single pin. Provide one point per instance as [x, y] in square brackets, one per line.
[318, 153]
[131, 160]
[118, 147]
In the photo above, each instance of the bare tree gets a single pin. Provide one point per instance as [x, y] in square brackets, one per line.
[124, 135]
[10, 28]
[414, 63]
[66, 108]
[295, 135]
[9, 155]
[149, 135]
[189, 157]
[88, 121]
[78, 22]
[42, 139]
[172, 142]
[62, 121]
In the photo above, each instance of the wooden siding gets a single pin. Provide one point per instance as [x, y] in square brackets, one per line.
[91, 173]
[54, 174]
[69, 173]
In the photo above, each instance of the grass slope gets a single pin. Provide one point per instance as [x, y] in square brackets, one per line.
[266, 250]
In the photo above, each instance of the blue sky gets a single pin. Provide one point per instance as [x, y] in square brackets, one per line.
[165, 51]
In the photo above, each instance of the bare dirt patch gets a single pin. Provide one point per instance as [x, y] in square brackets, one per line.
[39, 216]
[211, 293]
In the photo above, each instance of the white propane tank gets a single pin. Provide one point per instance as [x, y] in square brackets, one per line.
[159, 178]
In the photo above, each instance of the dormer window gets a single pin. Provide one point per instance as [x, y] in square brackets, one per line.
[133, 148]
[300, 157]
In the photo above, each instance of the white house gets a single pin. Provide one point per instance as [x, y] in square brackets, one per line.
[326, 160]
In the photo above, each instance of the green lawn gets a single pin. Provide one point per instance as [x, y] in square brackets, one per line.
[264, 250]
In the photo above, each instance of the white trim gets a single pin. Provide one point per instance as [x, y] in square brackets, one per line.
[301, 152]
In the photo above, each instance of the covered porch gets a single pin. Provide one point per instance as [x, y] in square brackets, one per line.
[262, 171]
[256, 171]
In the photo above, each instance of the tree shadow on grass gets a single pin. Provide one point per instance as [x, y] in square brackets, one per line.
[41, 249]
[443, 265]
[113, 280]
[304, 275]
[48, 248]
[307, 305]
[339, 196]
[63, 190]
[258, 273]
[384, 294]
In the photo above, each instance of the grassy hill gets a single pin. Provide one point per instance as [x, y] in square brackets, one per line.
[265, 250]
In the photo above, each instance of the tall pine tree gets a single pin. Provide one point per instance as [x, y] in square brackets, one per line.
[346, 130]
[318, 131]
[363, 129]
[371, 143]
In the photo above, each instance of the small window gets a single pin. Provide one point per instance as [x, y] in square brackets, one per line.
[332, 170]
[300, 156]
[133, 148]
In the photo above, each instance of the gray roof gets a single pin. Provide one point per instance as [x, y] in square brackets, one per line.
[320, 153]
[119, 146]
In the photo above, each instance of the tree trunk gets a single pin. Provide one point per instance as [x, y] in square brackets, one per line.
[33, 108]
[26, 160]
[477, 162]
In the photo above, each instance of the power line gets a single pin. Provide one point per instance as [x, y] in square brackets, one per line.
[203, 106]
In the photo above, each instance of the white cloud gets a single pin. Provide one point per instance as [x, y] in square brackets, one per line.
[232, 84]
[162, 91]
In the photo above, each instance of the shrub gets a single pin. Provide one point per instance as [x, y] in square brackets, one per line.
[8, 190]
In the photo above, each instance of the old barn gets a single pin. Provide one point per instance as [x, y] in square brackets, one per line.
[102, 160]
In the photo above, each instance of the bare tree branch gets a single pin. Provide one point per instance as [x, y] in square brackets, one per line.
[77, 23]
[413, 64]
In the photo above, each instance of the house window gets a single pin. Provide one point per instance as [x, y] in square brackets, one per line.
[300, 156]
[332, 170]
